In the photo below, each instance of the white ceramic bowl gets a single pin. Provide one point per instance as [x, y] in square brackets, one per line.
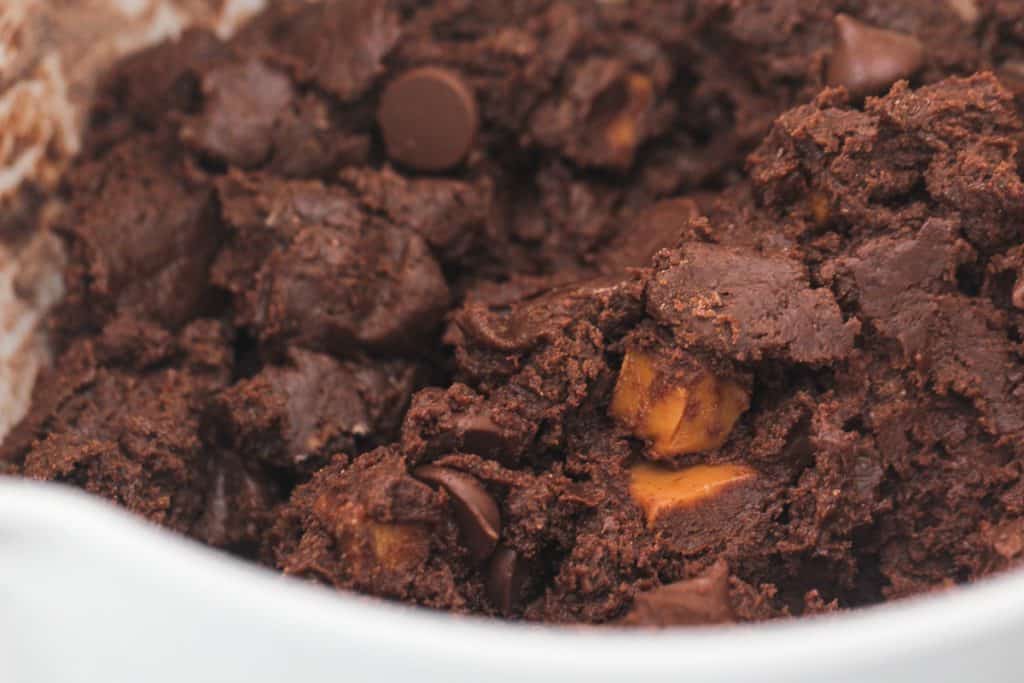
[89, 593]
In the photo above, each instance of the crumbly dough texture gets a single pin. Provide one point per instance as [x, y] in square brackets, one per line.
[52, 55]
[682, 322]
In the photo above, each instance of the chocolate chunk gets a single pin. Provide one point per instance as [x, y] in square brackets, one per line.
[238, 504]
[544, 314]
[700, 601]
[886, 269]
[475, 509]
[506, 577]
[867, 60]
[243, 102]
[428, 118]
[481, 435]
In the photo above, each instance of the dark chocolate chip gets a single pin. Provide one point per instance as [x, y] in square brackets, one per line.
[475, 509]
[480, 435]
[428, 117]
[506, 577]
[695, 602]
[868, 60]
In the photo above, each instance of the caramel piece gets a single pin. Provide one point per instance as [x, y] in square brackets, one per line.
[820, 208]
[621, 134]
[657, 489]
[681, 410]
[368, 545]
[391, 543]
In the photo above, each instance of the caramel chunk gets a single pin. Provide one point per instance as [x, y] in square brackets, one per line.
[679, 409]
[659, 490]
[820, 208]
[364, 525]
[390, 544]
[622, 133]
[370, 546]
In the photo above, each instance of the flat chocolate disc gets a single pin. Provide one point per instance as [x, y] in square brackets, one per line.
[428, 117]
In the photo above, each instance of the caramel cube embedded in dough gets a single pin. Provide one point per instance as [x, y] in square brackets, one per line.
[621, 133]
[821, 209]
[680, 410]
[367, 545]
[659, 490]
[393, 544]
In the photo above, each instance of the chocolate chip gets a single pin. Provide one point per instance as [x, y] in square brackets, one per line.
[506, 576]
[867, 60]
[694, 602]
[475, 509]
[428, 117]
[481, 435]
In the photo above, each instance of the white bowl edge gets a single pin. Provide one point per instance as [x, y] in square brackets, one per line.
[89, 593]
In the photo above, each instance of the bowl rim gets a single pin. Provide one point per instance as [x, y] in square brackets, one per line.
[903, 630]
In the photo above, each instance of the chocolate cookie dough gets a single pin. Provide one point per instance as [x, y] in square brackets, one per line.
[646, 313]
